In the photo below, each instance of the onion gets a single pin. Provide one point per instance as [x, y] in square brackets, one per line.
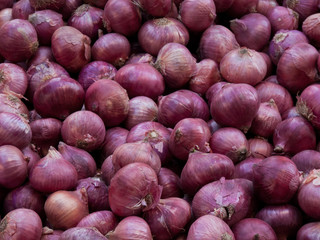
[170, 183]
[42, 54]
[154, 133]
[71, 48]
[10, 102]
[156, 8]
[19, 41]
[189, 134]
[83, 129]
[140, 79]
[79, 233]
[45, 133]
[114, 137]
[47, 4]
[275, 179]
[176, 64]
[14, 169]
[260, 147]
[13, 78]
[14, 130]
[294, 135]
[97, 3]
[235, 105]
[107, 170]
[129, 227]
[217, 41]
[307, 160]
[273, 79]
[303, 8]
[265, 6]
[5, 15]
[65, 209]
[253, 31]
[179, 105]
[206, 74]
[49, 234]
[87, 19]
[80, 159]
[109, 100]
[230, 142]
[6, 4]
[113, 18]
[283, 18]
[156, 33]
[53, 173]
[213, 90]
[24, 197]
[213, 125]
[310, 28]
[22, 9]
[69, 7]
[94, 71]
[209, 227]
[103, 221]
[203, 168]
[168, 218]
[309, 231]
[282, 40]
[242, 7]
[197, 16]
[133, 189]
[284, 219]
[244, 168]
[229, 199]
[21, 224]
[291, 112]
[270, 66]
[141, 58]
[32, 155]
[113, 48]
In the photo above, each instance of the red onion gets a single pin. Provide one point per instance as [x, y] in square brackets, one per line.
[21, 224]
[97, 193]
[189, 134]
[71, 48]
[133, 189]
[80, 159]
[19, 41]
[170, 183]
[95, 71]
[22, 9]
[213, 125]
[79, 233]
[265, 6]
[235, 105]
[179, 105]
[154, 133]
[216, 42]
[83, 129]
[209, 227]
[229, 199]
[107, 170]
[206, 74]
[294, 135]
[113, 48]
[168, 218]
[275, 179]
[97, 3]
[176, 64]
[141, 109]
[140, 79]
[243, 65]
[46, 22]
[303, 8]
[156, 8]
[253, 228]
[14, 130]
[273, 79]
[114, 20]
[244, 168]
[5, 15]
[307, 160]
[14, 169]
[197, 16]
[291, 112]
[114, 137]
[203, 168]
[24, 197]
[42, 54]
[69, 7]
[309, 231]
[310, 28]
[282, 40]
[6, 4]
[129, 227]
[269, 90]
[213, 90]
[45, 133]
[284, 219]
[260, 148]
[47, 4]
[10, 102]
[230, 142]
[109, 100]
[32, 155]
[270, 66]
[65, 209]
[13, 78]
[141, 58]
[156, 33]
[223, 5]
[253, 30]
[282, 18]
[53, 173]
[103, 221]
[49, 234]
[62, 93]
[242, 7]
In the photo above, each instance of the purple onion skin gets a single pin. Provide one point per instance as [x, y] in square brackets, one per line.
[307, 160]
[42, 54]
[50, 234]
[170, 183]
[309, 231]
[244, 168]
[22, 9]
[79, 233]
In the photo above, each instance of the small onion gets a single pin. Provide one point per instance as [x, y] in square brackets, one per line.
[156, 8]
[310, 28]
[69, 7]
[260, 148]
[32, 155]
[5, 15]
[213, 125]
[242, 7]
[264, 6]
[307, 160]
[107, 170]
[10, 102]
[270, 66]
[213, 90]
[303, 8]
[79, 233]
[114, 137]
[13, 78]
[291, 112]
[309, 231]
[22, 9]
[42, 54]
[244, 168]
[272, 78]
[283, 18]
[170, 183]
[47, 4]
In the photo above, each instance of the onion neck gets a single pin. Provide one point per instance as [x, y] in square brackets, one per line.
[226, 236]
[278, 149]
[224, 213]
[3, 224]
[280, 37]
[304, 110]
[81, 10]
[292, 3]
[238, 25]
[162, 21]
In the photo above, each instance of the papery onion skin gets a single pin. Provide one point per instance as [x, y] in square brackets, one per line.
[283, 18]
[170, 183]
[114, 137]
[13, 78]
[264, 6]
[11, 103]
[156, 33]
[20, 40]
[47, 4]
[31, 155]
[141, 58]
[50, 234]
[203, 168]
[309, 231]
[310, 27]
[22, 9]
[79, 233]
[71, 48]
[21, 223]
[304, 8]
[307, 160]
[244, 168]
[5, 15]
[42, 54]
[260, 147]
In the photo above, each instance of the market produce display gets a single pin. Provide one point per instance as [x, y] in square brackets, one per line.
[159, 119]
